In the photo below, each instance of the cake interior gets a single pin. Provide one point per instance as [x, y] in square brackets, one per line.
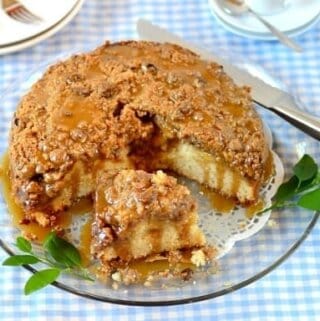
[160, 153]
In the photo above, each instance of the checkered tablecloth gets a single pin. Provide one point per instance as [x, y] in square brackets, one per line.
[292, 291]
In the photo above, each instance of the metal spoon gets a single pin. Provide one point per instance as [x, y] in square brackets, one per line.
[239, 7]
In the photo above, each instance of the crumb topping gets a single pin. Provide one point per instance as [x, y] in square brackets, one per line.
[96, 105]
[125, 198]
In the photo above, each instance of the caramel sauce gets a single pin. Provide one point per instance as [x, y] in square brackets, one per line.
[220, 171]
[235, 110]
[17, 213]
[250, 125]
[269, 167]
[122, 247]
[218, 202]
[204, 159]
[255, 208]
[146, 269]
[183, 229]
[75, 110]
[95, 72]
[85, 242]
[83, 206]
[236, 180]
[182, 70]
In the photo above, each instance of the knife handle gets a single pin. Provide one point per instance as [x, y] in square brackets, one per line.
[307, 123]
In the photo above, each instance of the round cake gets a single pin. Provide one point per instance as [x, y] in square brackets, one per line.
[133, 105]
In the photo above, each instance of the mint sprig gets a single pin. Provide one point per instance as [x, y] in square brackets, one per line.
[41, 279]
[60, 255]
[302, 189]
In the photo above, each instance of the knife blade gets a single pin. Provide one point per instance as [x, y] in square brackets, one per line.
[265, 95]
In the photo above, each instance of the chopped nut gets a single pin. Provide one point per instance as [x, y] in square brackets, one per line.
[199, 82]
[41, 218]
[30, 236]
[198, 116]
[176, 96]
[235, 145]
[171, 78]
[58, 156]
[67, 113]
[51, 177]
[73, 78]
[186, 274]
[106, 235]
[147, 283]
[33, 187]
[82, 91]
[27, 170]
[107, 91]
[149, 68]
[51, 190]
[78, 134]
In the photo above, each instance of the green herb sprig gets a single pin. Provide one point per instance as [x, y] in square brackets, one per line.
[302, 189]
[60, 255]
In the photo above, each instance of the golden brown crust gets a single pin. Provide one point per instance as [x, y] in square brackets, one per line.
[95, 105]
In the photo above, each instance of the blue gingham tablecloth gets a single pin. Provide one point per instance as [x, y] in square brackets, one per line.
[292, 291]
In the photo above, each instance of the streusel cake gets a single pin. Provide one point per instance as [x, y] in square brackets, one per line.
[138, 214]
[138, 105]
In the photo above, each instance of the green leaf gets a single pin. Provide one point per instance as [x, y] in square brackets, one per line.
[305, 185]
[317, 178]
[287, 189]
[23, 244]
[306, 168]
[311, 200]
[16, 260]
[40, 280]
[62, 251]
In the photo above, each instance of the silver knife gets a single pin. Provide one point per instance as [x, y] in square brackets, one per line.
[265, 95]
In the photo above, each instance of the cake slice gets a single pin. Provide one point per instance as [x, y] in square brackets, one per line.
[138, 214]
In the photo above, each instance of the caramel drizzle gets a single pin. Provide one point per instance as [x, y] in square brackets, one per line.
[33, 229]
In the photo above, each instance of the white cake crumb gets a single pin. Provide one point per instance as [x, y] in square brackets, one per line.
[272, 223]
[116, 276]
[198, 258]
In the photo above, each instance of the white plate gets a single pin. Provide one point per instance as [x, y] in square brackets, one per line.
[267, 35]
[290, 21]
[38, 33]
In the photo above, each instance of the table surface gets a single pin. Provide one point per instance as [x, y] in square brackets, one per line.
[292, 291]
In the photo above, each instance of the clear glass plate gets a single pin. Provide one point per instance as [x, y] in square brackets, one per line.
[249, 259]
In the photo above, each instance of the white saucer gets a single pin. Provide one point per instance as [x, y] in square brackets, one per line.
[23, 35]
[290, 21]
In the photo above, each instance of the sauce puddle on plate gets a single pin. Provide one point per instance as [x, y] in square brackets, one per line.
[36, 232]
[219, 202]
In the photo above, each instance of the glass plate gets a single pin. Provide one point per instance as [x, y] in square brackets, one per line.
[249, 259]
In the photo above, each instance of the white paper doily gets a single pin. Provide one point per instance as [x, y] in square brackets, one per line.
[222, 230]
